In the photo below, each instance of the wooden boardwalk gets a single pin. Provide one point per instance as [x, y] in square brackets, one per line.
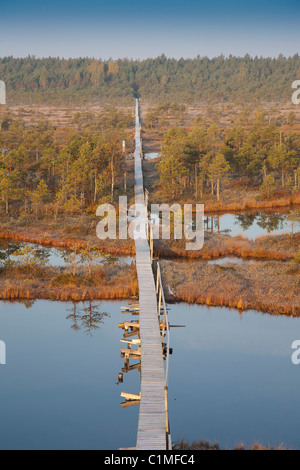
[152, 425]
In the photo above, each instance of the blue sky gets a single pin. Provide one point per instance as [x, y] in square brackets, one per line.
[136, 29]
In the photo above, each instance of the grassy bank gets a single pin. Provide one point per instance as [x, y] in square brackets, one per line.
[112, 281]
[69, 232]
[249, 201]
[273, 247]
[64, 232]
[272, 287]
[207, 445]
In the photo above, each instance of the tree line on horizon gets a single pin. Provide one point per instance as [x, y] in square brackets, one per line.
[59, 81]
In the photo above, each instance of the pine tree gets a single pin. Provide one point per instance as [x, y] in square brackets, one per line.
[218, 170]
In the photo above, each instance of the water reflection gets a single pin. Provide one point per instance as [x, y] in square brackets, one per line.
[233, 260]
[11, 252]
[130, 351]
[232, 379]
[86, 317]
[245, 221]
[58, 388]
[152, 155]
[28, 303]
[251, 224]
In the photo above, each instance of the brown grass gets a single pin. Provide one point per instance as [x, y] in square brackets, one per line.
[251, 203]
[207, 445]
[54, 239]
[272, 247]
[267, 287]
[116, 282]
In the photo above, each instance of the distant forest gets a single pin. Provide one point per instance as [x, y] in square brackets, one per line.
[72, 81]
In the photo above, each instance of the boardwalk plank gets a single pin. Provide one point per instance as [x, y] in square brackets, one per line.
[152, 418]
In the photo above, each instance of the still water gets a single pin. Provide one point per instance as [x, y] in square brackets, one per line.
[252, 225]
[152, 155]
[52, 256]
[233, 260]
[231, 377]
[59, 387]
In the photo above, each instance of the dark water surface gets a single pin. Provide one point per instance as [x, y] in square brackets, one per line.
[253, 224]
[231, 377]
[58, 389]
[50, 255]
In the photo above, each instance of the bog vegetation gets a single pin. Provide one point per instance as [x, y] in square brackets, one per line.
[200, 161]
[229, 156]
[46, 169]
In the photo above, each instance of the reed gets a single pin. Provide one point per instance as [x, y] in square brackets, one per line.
[115, 282]
[252, 203]
[272, 247]
[267, 287]
[114, 247]
[208, 445]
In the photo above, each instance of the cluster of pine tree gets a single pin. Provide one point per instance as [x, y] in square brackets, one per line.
[262, 156]
[65, 81]
[65, 169]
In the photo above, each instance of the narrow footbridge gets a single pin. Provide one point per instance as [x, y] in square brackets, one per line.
[152, 329]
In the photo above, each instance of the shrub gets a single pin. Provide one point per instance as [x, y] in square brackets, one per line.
[69, 280]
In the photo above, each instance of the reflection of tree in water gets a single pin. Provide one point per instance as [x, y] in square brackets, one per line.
[3, 256]
[87, 318]
[270, 222]
[265, 221]
[245, 221]
[92, 318]
[28, 303]
[42, 254]
[74, 317]
[9, 249]
[216, 222]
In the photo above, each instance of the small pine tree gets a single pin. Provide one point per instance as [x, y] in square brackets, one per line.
[40, 195]
[268, 186]
[218, 170]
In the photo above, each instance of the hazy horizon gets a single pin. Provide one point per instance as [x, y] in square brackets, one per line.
[135, 30]
[150, 58]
